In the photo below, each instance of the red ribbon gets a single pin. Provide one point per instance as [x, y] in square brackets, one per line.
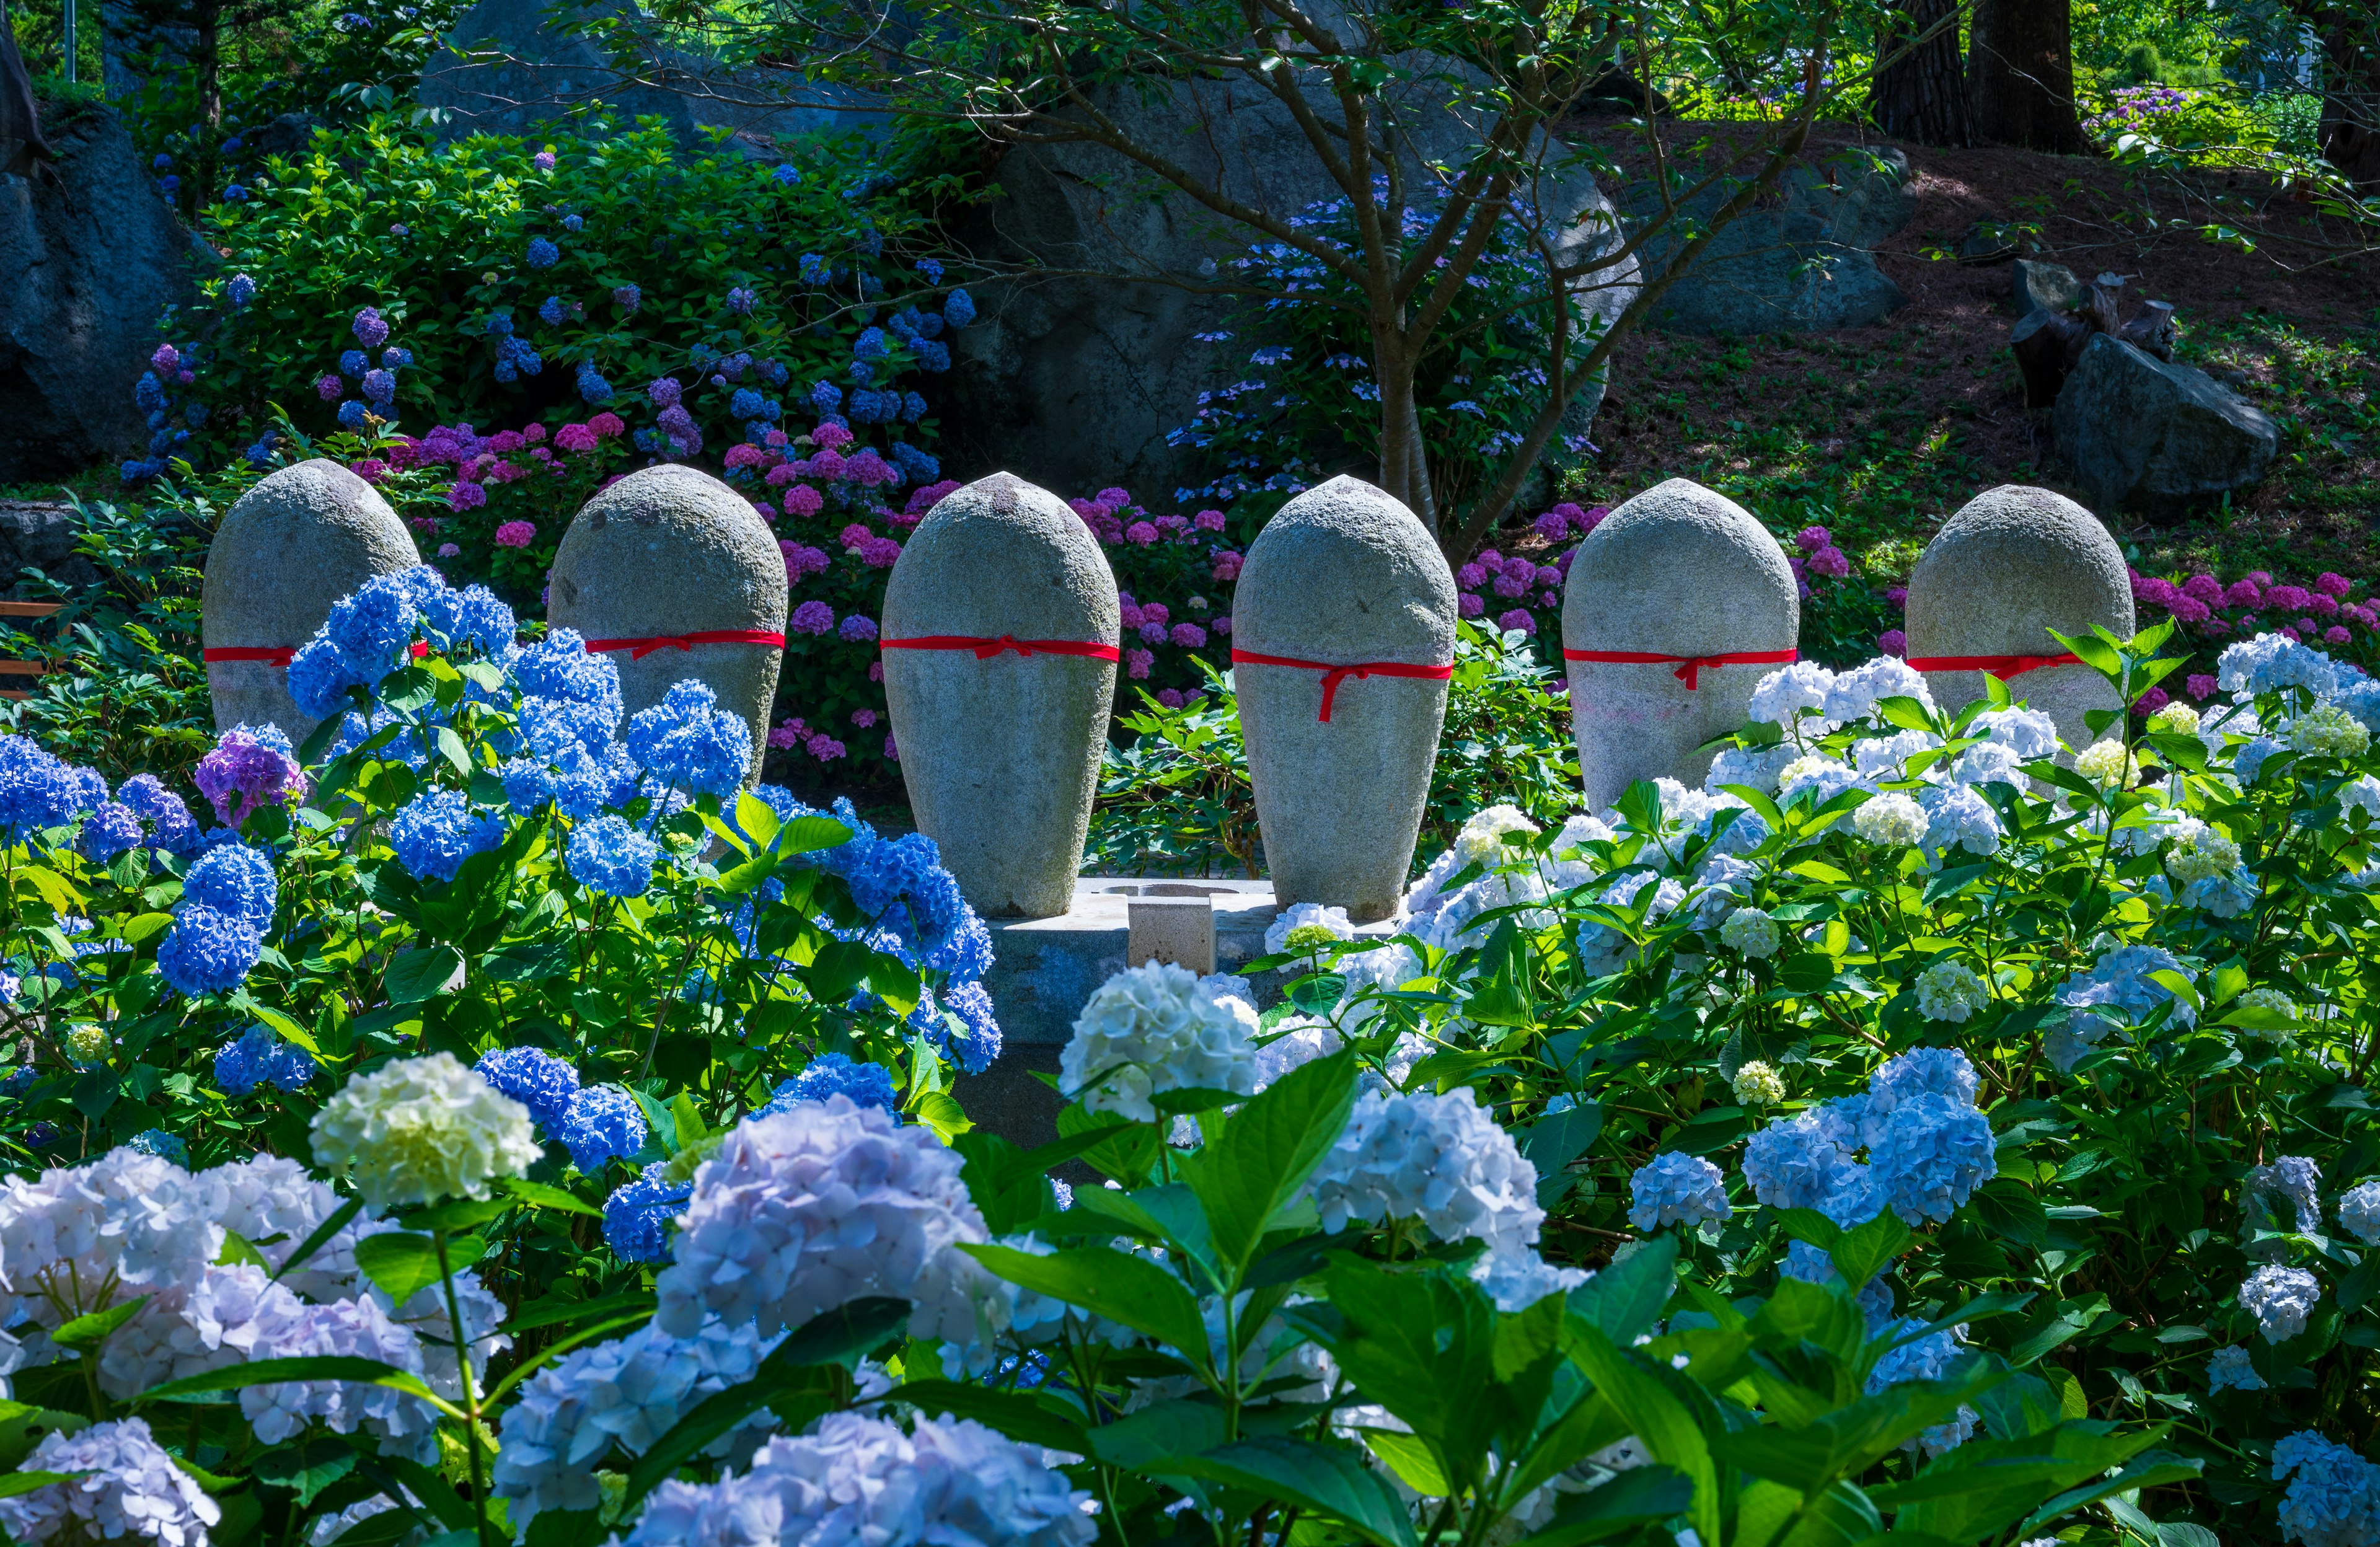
[1690, 667]
[985, 649]
[2001, 667]
[1333, 676]
[638, 649]
[278, 655]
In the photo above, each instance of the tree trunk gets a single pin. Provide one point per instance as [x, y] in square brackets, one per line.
[2021, 75]
[2351, 90]
[1405, 459]
[1921, 96]
[210, 62]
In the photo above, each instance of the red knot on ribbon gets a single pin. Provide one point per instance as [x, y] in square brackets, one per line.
[638, 649]
[2001, 667]
[276, 655]
[985, 649]
[1333, 676]
[1690, 667]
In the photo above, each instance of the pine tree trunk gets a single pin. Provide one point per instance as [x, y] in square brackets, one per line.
[2021, 75]
[1921, 96]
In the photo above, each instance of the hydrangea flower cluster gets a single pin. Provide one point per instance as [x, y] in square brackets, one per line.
[127, 1487]
[422, 1130]
[1928, 1146]
[2333, 1498]
[1439, 1160]
[1157, 1028]
[1677, 1189]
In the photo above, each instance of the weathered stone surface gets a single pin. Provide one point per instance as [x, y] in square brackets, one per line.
[2147, 435]
[1075, 383]
[669, 551]
[1757, 275]
[304, 537]
[2039, 287]
[39, 535]
[2013, 564]
[89, 259]
[522, 69]
[1677, 570]
[1001, 756]
[1344, 575]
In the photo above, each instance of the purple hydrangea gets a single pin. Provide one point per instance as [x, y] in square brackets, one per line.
[246, 769]
[857, 629]
[811, 618]
[371, 328]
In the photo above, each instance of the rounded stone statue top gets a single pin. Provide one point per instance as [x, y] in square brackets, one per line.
[1344, 574]
[2013, 564]
[305, 536]
[664, 551]
[1681, 570]
[1002, 557]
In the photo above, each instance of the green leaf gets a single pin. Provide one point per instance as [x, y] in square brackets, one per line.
[459, 1213]
[843, 1334]
[1268, 1148]
[1906, 713]
[307, 1466]
[90, 1332]
[1125, 1288]
[1025, 1416]
[554, 1313]
[1409, 1456]
[539, 1195]
[806, 835]
[1623, 1300]
[1662, 1424]
[1636, 1497]
[755, 817]
[265, 1372]
[1863, 1252]
[451, 748]
[14, 1483]
[424, 972]
[400, 1263]
[1328, 1480]
[238, 1249]
[322, 1235]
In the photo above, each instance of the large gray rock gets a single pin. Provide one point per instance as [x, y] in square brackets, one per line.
[1001, 755]
[1344, 575]
[523, 66]
[668, 551]
[1677, 570]
[305, 536]
[1077, 381]
[1800, 264]
[2013, 564]
[2146, 435]
[88, 260]
[38, 537]
[2039, 287]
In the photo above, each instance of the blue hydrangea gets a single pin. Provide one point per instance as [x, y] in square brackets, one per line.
[535, 1078]
[1795, 1161]
[207, 952]
[816, 270]
[965, 956]
[351, 362]
[902, 887]
[603, 1123]
[688, 742]
[746, 404]
[1812, 1265]
[786, 173]
[592, 387]
[2334, 1499]
[164, 1145]
[439, 828]
[373, 625]
[240, 290]
[932, 354]
[913, 408]
[260, 1058]
[977, 1042]
[319, 675]
[1674, 1188]
[2271, 662]
[148, 392]
[110, 830]
[553, 309]
[1933, 1154]
[541, 255]
[922, 467]
[36, 789]
[560, 667]
[351, 414]
[608, 856]
[2232, 1369]
[474, 616]
[637, 1217]
[834, 1074]
[959, 311]
[1927, 1357]
[396, 359]
[235, 879]
[826, 397]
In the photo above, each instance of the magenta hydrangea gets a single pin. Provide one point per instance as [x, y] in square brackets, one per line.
[811, 618]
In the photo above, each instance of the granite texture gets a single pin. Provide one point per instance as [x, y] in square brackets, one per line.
[1001, 756]
[2162, 440]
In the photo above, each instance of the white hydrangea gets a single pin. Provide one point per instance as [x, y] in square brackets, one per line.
[2360, 794]
[2248, 762]
[220, 1321]
[420, 1130]
[133, 1490]
[1956, 817]
[1988, 763]
[1783, 696]
[803, 1210]
[2327, 731]
[1453, 927]
[1951, 991]
[861, 1479]
[1757, 1083]
[1823, 776]
[1884, 757]
[1853, 695]
[2358, 1210]
[2176, 718]
[2281, 1299]
[1300, 1039]
[1578, 831]
[625, 1393]
[354, 1329]
[1891, 821]
[1481, 842]
[1752, 932]
[2107, 763]
[1517, 1279]
[1438, 1159]
[1154, 1028]
[1601, 948]
[82, 1238]
[2028, 733]
[1721, 883]
[2201, 853]
[2297, 1179]
[1386, 967]
[1754, 766]
[1297, 915]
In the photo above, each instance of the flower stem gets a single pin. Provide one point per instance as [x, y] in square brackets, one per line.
[470, 1389]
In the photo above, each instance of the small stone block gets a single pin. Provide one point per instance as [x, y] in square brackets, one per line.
[1179, 931]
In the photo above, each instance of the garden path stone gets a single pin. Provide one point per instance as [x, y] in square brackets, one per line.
[305, 536]
[1677, 570]
[1001, 755]
[1344, 575]
[668, 551]
[2147, 435]
[2013, 564]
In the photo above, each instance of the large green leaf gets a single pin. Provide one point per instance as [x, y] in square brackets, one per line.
[400, 1263]
[1624, 1299]
[90, 1332]
[1122, 1287]
[1327, 1480]
[423, 973]
[1636, 1497]
[1025, 1416]
[1423, 1346]
[265, 1372]
[1662, 1424]
[1268, 1150]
